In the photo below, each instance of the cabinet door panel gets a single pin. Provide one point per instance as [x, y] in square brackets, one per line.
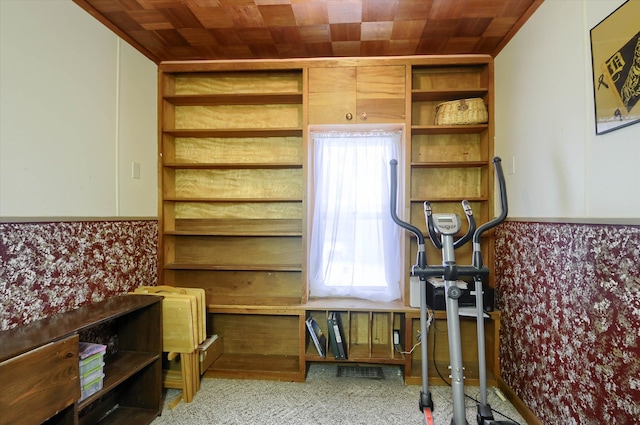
[377, 91]
[51, 384]
[332, 94]
[381, 93]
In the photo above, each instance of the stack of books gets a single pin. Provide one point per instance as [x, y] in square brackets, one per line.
[336, 335]
[318, 337]
[337, 340]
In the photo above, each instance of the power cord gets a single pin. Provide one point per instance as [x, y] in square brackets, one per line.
[429, 320]
[449, 382]
[433, 356]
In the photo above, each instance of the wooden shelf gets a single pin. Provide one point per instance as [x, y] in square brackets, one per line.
[452, 164]
[253, 165]
[355, 304]
[255, 233]
[236, 227]
[235, 132]
[234, 99]
[118, 369]
[448, 129]
[256, 366]
[456, 199]
[249, 267]
[452, 199]
[129, 415]
[378, 360]
[445, 95]
[231, 200]
[471, 379]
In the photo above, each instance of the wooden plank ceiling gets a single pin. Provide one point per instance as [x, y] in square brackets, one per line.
[181, 30]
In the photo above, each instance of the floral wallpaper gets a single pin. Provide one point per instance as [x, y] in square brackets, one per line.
[570, 337]
[49, 268]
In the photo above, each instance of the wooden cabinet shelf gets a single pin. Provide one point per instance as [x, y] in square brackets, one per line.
[438, 199]
[234, 177]
[132, 386]
[128, 415]
[448, 164]
[258, 366]
[438, 350]
[259, 343]
[253, 165]
[234, 232]
[448, 129]
[446, 95]
[368, 334]
[452, 163]
[118, 369]
[231, 200]
[237, 227]
[248, 267]
[235, 132]
[234, 99]
[232, 184]
[357, 94]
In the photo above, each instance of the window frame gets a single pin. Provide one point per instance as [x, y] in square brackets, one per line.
[402, 207]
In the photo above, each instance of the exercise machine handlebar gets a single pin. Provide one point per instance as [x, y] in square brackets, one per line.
[422, 254]
[422, 268]
[504, 209]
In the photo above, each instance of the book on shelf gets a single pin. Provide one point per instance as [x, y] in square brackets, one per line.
[336, 334]
[318, 337]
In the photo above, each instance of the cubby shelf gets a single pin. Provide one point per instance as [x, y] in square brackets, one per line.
[118, 369]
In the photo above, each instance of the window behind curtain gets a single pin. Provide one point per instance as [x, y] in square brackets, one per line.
[354, 243]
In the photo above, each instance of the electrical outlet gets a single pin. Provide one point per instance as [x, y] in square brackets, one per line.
[396, 337]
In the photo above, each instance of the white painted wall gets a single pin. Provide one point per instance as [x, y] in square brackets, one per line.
[545, 120]
[77, 106]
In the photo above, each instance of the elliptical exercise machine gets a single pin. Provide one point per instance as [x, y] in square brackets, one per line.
[442, 229]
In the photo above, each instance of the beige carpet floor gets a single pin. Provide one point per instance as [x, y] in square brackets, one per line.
[324, 398]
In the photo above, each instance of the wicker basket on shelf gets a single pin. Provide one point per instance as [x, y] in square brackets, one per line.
[462, 112]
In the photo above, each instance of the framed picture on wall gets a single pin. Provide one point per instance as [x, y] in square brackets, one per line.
[615, 55]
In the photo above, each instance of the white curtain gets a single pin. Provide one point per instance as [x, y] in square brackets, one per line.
[354, 244]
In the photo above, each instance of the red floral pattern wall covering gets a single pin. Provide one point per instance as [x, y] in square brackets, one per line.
[49, 268]
[570, 336]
